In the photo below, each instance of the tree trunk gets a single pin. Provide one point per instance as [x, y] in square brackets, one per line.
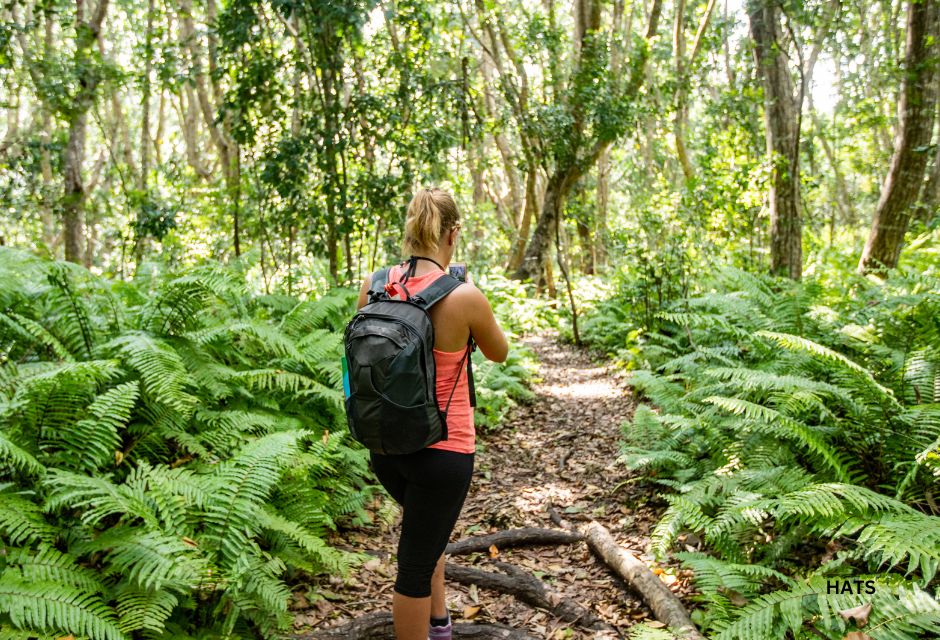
[782, 130]
[603, 204]
[558, 187]
[916, 109]
[531, 205]
[587, 247]
[73, 198]
[145, 102]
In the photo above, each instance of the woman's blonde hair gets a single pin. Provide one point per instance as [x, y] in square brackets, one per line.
[431, 214]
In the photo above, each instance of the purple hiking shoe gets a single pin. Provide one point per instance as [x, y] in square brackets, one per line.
[441, 633]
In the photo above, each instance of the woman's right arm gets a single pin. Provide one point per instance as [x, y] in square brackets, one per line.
[483, 327]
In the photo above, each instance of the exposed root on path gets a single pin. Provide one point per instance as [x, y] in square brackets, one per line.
[560, 449]
[525, 587]
[527, 536]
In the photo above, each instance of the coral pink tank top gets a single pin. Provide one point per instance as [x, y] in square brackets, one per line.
[461, 435]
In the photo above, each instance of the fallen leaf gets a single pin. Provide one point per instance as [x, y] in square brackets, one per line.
[856, 635]
[656, 624]
[859, 614]
[469, 613]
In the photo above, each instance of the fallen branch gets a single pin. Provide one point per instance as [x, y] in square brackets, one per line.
[378, 626]
[665, 605]
[526, 588]
[512, 538]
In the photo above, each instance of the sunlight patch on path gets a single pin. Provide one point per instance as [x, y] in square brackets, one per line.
[592, 389]
[534, 499]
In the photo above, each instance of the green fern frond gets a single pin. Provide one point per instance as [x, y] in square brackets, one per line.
[97, 497]
[48, 606]
[18, 458]
[267, 338]
[242, 485]
[892, 538]
[282, 381]
[31, 331]
[22, 520]
[47, 564]
[712, 576]
[788, 428]
[160, 367]
[176, 306]
[834, 500]
[90, 443]
[144, 610]
[328, 559]
[152, 560]
[76, 330]
[797, 343]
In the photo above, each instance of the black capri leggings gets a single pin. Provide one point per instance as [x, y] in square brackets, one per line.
[430, 485]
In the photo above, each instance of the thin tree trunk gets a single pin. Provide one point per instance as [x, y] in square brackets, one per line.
[530, 207]
[145, 102]
[781, 117]
[915, 127]
[603, 205]
[73, 198]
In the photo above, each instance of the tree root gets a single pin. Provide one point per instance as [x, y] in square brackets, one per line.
[665, 605]
[378, 626]
[513, 538]
[526, 588]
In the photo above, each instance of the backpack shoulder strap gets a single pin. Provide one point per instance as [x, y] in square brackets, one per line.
[437, 291]
[377, 285]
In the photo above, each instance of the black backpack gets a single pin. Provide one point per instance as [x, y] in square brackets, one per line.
[392, 407]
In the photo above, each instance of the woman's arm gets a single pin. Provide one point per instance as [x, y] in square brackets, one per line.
[364, 292]
[483, 327]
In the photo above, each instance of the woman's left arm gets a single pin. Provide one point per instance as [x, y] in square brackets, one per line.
[364, 292]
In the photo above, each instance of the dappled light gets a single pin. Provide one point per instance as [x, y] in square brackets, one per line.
[628, 309]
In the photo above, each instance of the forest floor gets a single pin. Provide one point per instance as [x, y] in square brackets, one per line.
[561, 449]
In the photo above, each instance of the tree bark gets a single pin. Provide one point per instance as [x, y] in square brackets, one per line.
[917, 107]
[556, 191]
[73, 198]
[526, 588]
[229, 153]
[512, 538]
[603, 205]
[665, 605]
[782, 132]
[145, 102]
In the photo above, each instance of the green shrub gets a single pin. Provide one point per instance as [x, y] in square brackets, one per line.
[172, 449]
[796, 429]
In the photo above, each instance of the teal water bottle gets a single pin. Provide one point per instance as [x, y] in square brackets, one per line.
[345, 376]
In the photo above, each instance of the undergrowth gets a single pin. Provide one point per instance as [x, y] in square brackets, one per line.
[795, 432]
[173, 451]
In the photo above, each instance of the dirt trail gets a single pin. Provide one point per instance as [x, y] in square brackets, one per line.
[560, 449]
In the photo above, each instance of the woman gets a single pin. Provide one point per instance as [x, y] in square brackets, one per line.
[431, 484]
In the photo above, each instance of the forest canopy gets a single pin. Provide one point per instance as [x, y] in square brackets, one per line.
[291, 134]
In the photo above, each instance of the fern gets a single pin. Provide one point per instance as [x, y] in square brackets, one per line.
[48, 606]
